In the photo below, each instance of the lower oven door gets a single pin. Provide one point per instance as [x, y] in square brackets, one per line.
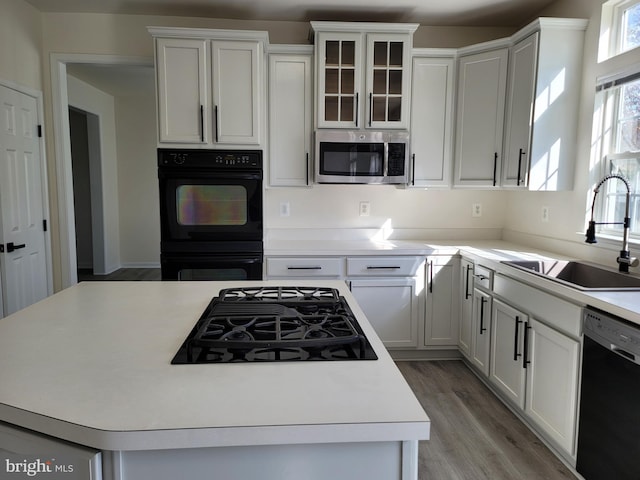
[203, 266]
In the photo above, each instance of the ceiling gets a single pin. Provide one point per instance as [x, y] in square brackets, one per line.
[506, 13]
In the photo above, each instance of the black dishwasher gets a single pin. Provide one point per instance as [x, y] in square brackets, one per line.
[609, 429]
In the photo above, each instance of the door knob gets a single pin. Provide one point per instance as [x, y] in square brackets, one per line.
[10, 247]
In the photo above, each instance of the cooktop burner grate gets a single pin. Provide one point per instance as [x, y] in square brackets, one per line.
[276, 324]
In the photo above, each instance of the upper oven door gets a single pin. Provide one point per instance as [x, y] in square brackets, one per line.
[205, 205]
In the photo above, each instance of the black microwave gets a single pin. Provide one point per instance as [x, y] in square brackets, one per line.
[348, 156]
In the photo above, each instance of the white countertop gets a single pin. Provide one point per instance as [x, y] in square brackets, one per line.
[91, 364]
[489, 252]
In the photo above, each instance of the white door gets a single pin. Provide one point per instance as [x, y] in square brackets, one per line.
[23, 261]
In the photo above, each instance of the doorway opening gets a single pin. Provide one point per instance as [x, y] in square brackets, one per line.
[84, 133]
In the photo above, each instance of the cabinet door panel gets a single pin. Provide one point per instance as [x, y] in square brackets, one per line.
[507, 370]
[481, 99]
[552, 383]
[391, 306]
[290, 91]
[182, 90]
[441, 320]
[339, 79]
[481, 335]
[431, 113]
[236, 94]
[466, 307]
[522, 74]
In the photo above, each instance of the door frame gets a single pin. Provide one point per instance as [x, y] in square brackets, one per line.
[37, 95]
[64, 178]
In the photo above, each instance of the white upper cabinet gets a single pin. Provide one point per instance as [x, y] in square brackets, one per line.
[432, 89]
[181, 69]
[236, 81]
[290, 117]
[545, 71]
[363, 74]
[210, 86]
[482, 79]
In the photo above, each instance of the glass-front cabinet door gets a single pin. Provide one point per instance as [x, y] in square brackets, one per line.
[363, 79]
[388, 72]
[339, 80]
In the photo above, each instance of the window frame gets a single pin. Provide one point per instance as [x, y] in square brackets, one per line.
[618, 67]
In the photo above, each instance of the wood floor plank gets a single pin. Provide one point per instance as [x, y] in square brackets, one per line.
[473, 435]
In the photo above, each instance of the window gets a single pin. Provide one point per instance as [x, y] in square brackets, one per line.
[628, 26]
[618, 112]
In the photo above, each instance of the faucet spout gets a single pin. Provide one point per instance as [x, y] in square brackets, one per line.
[624, 259]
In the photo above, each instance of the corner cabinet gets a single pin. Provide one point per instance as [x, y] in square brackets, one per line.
[290, 115]
[363, 73]
[210, 86]
[482, 80]
[432, 88]
[545, 71]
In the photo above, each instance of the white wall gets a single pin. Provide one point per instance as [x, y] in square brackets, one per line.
[138, 180]
[90, 99]
[20, 44]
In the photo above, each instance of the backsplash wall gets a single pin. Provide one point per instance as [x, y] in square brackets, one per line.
[443, 212]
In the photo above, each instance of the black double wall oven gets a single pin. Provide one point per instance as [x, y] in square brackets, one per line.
[211, 214]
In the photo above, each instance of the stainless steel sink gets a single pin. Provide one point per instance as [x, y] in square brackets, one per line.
[580, 275]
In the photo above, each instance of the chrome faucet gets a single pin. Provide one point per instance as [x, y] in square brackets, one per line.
[624, 260]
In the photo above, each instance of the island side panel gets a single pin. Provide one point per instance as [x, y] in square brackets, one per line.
[337, 461]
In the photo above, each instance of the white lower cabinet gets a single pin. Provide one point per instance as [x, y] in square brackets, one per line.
[466, 307]
[392, 306]
[508, 367]
[534, 366]
[390, 291]
[481, 330]
[441, 315]
[552, 383]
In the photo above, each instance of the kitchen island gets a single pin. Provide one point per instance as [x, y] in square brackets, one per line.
[91, 366]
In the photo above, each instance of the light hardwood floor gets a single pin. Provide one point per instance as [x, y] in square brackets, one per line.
[473, 435]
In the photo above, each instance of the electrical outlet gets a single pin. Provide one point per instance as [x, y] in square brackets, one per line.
[545, 214]
[285, 209]
[365, 209]
[476, 210]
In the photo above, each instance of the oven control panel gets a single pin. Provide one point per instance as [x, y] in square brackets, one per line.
[223, 159]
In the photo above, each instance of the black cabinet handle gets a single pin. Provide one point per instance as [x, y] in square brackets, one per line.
[515, 340]
[466, 287]
[525, 353]
[482, 329]
[307, 170]
[215, 109]
[495, 167]
[370, 108]
[305, 268]
[383, 267]
[357, 108]
[431, 277]
[520, 164]
[413, 169]
[10, 247]
[202, 123]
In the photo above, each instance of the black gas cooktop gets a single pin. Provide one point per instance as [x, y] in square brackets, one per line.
[272, 324]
